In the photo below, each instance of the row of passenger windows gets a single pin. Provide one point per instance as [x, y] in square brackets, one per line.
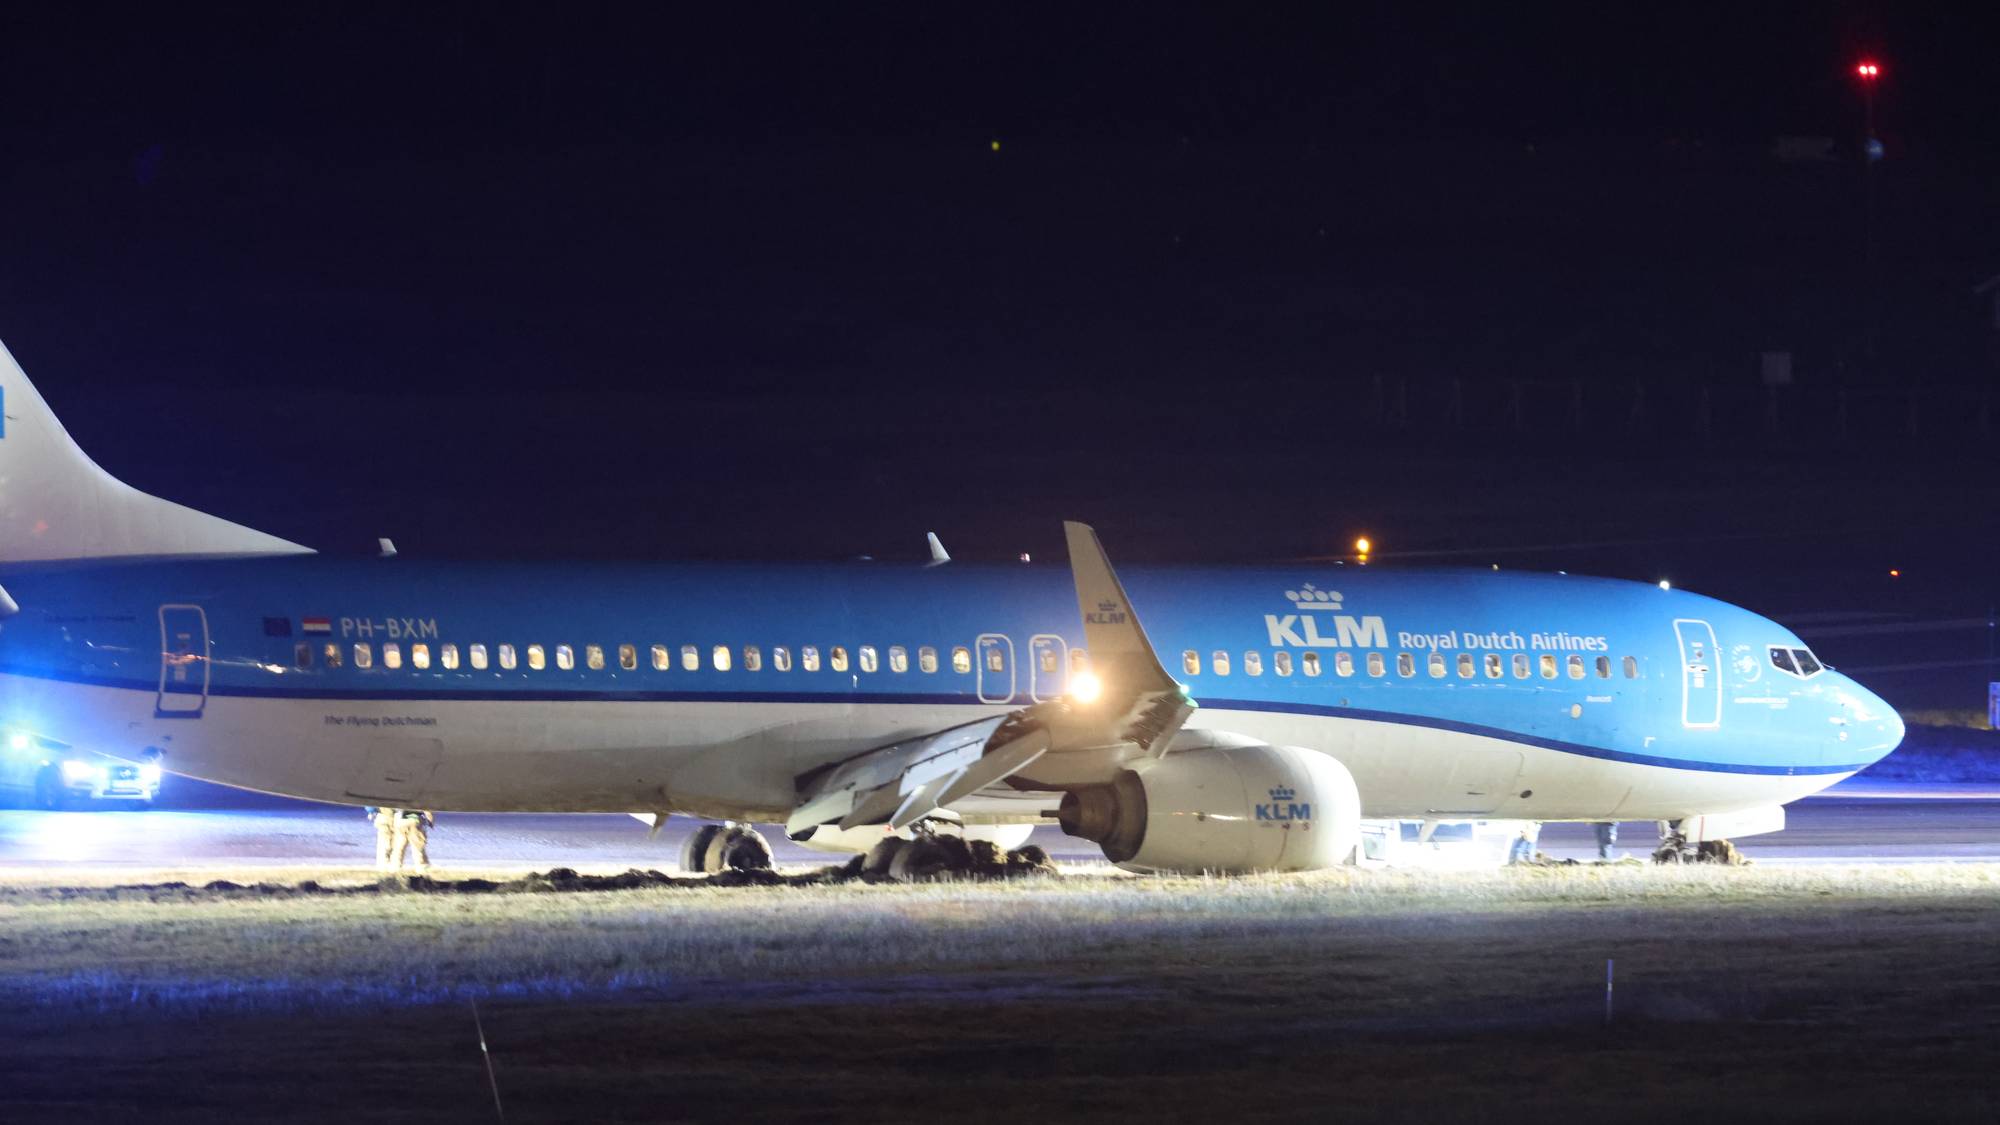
[721, 657]
[1492, 664]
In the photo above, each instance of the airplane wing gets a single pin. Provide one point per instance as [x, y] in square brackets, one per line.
[1125, 706]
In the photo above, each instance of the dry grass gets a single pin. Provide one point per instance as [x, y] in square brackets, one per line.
[1790, 994]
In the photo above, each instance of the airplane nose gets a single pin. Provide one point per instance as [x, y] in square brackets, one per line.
[1876, 726]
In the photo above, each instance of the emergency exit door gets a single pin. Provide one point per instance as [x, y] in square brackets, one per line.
[1050, 655]
[183, 662]
[994, 660]
[1701, 674]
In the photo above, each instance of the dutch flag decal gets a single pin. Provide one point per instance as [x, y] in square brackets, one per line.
[316, 624]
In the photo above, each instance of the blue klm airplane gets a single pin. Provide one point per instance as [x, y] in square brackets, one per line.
[1251, 723]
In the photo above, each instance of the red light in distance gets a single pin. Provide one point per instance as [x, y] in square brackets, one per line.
[1867, 71]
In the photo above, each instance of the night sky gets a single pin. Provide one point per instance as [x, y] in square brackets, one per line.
[551, 281]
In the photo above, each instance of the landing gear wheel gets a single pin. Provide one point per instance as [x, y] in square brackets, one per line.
[737, 848]
[930, 858]
[694, 849]
[882, 856]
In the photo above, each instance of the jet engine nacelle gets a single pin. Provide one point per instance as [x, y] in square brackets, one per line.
[1228, 809]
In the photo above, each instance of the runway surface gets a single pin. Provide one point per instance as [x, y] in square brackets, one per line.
[1871, 824]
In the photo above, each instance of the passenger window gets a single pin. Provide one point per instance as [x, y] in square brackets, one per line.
[1281, 663]
[809, 658]
[448, 656]
[1465, 666]
[593, 657]
[1631, 667]
[476, 654]
[1603, 667]
[364, 657]
[1077, 659]
[1548, 666]
[1575, 667]
[1406, 664]
[927, 660]
[537, 658]
[332, 654]
[302, 656]
[867, 657]
[1191, 662]
[961, 660]
[1495, 667]
[628, 657]
[836, 658]
[1520, 665]
[392, 655]
[1809, 664]
[662, 659]
[781, 658]
[690, 658]
[566, 657]
[420, 656]
[1309, 663]
[1343, 664]
[1436, 663]
[507, 659]
[1253, 663]
[899, 658]
[1377, 667]
[719, 656]
[1219, 660]
[753, 658]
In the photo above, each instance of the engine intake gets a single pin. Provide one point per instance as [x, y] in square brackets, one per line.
[1231, 810]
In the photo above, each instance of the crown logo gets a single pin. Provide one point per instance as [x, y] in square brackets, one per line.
[1309, 596]
[1107, 606]
[1283, 793]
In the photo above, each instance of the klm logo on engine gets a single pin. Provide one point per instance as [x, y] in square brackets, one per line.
[1108, 613]
[1320, 624]
[1285, 807]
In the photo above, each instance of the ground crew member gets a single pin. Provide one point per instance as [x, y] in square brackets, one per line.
[1607, 839]
[413, 831]
[1523, 850]
[385, 837]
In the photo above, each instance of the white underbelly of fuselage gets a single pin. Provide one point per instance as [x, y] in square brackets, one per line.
[739, 760]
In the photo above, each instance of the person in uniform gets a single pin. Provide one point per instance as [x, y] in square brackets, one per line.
[413, 832]
[385, 837]
[1607, 839]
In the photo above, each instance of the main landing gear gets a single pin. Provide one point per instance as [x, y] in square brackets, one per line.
[934, 856]
[715, 848]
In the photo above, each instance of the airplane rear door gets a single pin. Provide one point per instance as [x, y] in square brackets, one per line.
[183, 662]
[1701, 674]
[995, 659]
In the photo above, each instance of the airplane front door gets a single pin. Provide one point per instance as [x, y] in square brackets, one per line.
[183, 662]
[1701, 674]
[995, 667]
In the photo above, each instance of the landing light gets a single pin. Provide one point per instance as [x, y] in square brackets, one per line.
[17, 741]
[1085, 687]
[1666, 585]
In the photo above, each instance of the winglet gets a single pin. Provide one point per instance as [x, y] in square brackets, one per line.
[1111, 630]
[938, 553]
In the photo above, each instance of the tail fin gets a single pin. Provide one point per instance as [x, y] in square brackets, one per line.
[55, 503]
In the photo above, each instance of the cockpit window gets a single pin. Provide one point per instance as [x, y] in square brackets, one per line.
[1799, 662]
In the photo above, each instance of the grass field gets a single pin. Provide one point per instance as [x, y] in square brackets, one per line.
[1803, 994]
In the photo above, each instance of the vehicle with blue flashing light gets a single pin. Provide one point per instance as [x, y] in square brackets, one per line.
[46, 773]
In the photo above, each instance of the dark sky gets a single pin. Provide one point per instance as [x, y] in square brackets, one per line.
[1236, 282]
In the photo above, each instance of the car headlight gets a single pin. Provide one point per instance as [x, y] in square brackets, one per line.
[149, 773]
[76, 773]
[17, 741]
